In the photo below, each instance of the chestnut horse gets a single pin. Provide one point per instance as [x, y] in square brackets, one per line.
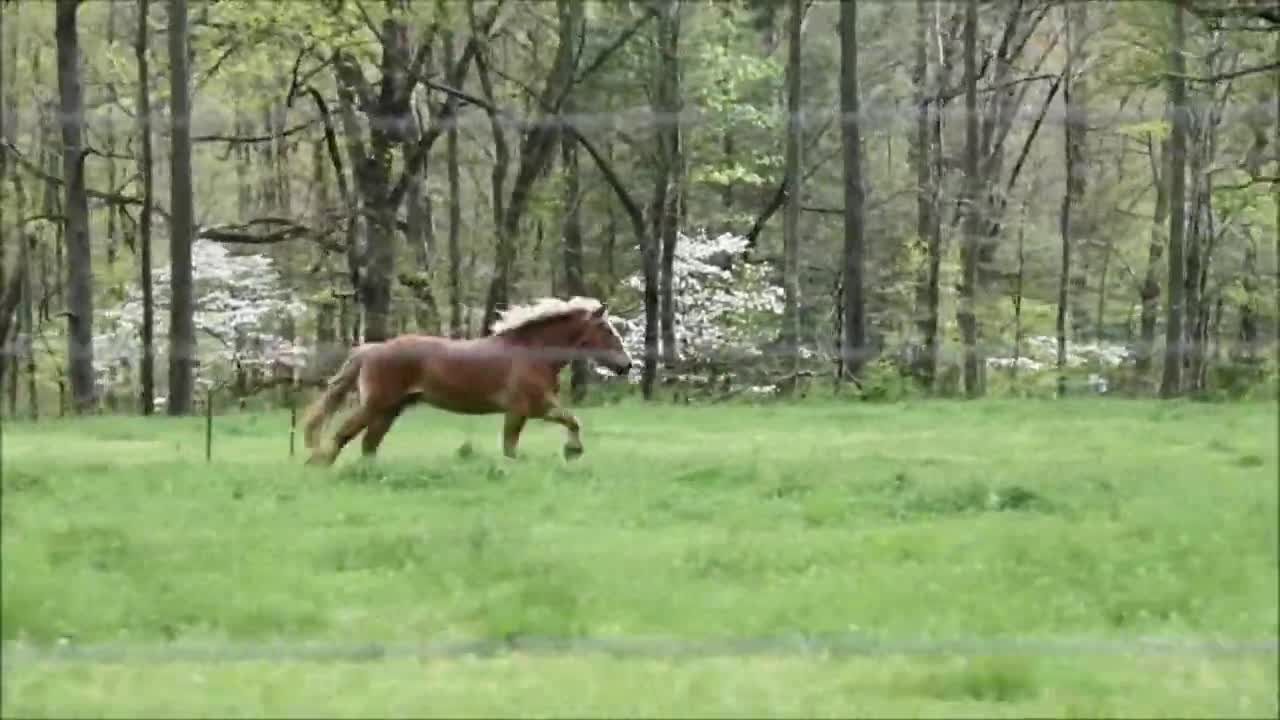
[514, 371]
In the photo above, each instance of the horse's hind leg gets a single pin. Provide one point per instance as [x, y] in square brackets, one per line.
[351, 426]
[379, 424]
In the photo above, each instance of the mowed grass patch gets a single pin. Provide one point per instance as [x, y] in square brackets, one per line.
[930, 522]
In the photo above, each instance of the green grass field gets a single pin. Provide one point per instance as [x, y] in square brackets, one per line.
[1081, 528]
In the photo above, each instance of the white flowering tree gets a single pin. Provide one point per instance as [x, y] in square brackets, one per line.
[724, 307]
[239, 303]
[1040, 353]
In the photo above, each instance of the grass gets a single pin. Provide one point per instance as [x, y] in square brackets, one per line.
[1084, 522]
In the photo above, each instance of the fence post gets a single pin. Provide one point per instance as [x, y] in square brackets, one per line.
[293, 418]
[208, 425]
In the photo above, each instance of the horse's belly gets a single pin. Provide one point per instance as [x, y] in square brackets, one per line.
[458, 382]
[459, 401]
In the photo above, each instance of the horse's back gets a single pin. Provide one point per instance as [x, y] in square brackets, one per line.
[461, 375]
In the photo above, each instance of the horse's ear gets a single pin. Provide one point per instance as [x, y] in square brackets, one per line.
[600, 311]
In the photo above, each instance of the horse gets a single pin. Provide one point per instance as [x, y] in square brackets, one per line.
[514, 371]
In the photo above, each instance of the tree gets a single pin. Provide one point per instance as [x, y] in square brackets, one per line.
[182, 338]
[722, 315]
[537, 143]
[855, 311]
[791, 175]
[966, 312]
[926, 151]
[1075, 101]
[146, 365]
[571, 240]
[670, 172]
[239, 296]
[350, 218]
[455, 211]
[1174, 353]
[79, 250]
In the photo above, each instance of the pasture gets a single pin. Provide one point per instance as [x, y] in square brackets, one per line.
[989, 559]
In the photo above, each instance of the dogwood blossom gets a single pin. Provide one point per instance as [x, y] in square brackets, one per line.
[1042, 354]
[723, 305]
[238, 304]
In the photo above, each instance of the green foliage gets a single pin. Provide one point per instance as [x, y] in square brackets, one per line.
[885, 381]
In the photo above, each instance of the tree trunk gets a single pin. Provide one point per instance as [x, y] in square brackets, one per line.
[27, 326]
[244, 165]
[420, 233]
[855, 311]
[182, 339]
[286, 252]
[1191, 262]
[1149, 292]
[1248, 334]
[7, 359]
[926, 281]
[25, 357]
[10, 297]
[390, 119]
[1070, 224]
[1079, 223]
[662, 192]
[79, 250]
[1017, 288]
[108, 126]
[574, 280]
[455, 212]
[267, 196]
[610, 232]
[729, 148]
[354, 201]
[791, 177]
[1099, 325]
[667, 105]
[147, 364]
[966, 312]
[501, 157]
[536, 150]
[649, 249]
[1171, 380]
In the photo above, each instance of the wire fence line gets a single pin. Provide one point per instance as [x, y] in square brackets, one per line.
[217, 125]
[829, 646]
[1034, 355]
[717, 352]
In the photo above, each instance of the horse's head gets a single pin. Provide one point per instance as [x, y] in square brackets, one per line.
[602, 343]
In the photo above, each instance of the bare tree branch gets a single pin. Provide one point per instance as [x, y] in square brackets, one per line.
[1242, 72]
[254, 139]
[614, 46]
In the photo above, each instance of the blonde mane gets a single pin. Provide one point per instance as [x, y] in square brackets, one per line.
[547, 308]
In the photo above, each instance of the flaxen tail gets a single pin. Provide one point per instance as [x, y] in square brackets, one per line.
[342, 383]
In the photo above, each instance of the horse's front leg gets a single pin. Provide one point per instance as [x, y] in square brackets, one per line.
[511, 427]
[573, 442]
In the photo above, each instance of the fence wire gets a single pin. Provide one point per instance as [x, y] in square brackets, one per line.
[833, 646]
[883, 113]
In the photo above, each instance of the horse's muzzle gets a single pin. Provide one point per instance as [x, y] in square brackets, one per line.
[619, 363]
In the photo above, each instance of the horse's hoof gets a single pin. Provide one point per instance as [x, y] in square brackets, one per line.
[572, 452]
[319, 460]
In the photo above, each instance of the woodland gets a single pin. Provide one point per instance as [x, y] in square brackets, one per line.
[891, 198]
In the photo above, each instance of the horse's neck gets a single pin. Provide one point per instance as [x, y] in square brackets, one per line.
[556, 334]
